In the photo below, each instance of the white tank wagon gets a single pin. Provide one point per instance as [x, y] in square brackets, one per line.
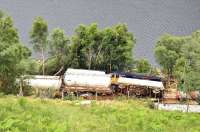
[87, 81]
[99, 81]
[84, 72]
[44, 82]
[139, 82]
[135, 84]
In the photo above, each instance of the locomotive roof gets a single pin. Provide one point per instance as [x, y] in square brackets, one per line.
[138, 76]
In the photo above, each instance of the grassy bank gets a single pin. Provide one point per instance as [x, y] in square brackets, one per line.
[36, 115]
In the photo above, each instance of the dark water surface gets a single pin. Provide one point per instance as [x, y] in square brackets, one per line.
[147, 19]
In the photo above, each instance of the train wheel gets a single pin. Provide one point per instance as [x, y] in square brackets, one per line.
[156, 91]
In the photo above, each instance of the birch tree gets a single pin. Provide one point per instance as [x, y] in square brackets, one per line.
[38, 35]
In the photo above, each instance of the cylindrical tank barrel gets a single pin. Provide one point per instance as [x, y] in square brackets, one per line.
[44, 82]
[81, 80]
[84, 72]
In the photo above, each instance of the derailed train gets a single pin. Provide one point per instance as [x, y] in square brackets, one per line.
[80, 81]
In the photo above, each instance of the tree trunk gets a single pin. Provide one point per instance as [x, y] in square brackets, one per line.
[188, 100]
[96, 57]
[43, 71]
[21, 88]
[110, 68]
[90, 59]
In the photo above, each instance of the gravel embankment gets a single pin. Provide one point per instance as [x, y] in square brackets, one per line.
[178, 107]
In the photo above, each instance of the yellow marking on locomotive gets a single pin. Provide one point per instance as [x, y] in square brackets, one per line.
[114, 79]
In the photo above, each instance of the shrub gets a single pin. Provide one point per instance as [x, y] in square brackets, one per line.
[198, 99]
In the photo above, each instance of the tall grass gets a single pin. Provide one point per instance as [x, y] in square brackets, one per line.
[40, 115]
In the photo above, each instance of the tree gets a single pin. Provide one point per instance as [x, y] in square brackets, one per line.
[38, 35]
[118, 46]
[187, 68]
[86, 46]
[11, 54]
[107, 49]
[143, 66]
[59, 49]
[168, 50]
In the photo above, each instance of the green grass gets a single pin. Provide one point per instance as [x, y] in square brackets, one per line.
[35, 115]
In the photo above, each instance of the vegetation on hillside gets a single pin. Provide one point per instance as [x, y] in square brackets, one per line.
[90, 47]
[12, 52]
[180, 58]
[26, 114]
[108, 49]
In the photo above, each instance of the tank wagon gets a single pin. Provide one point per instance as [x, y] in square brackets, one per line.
[80, 81]
[44, 82]
[83, 81]
[137, 84]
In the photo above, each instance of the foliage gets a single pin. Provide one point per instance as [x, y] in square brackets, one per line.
[52, 65]
[118, 45]
[168, 50]
[86, 45]
[28, 66]
[26, 114]
[38, 35]
[180, 56]
[59, 50]
[155, 71]
[58, 43]
[187, 67]
[143, 66]
[107, 49]
[198, 100]
[11, 54]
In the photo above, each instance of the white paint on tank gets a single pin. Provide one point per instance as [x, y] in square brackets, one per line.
[81, 80]
[44, 82]
[141, 82]
[85, 72]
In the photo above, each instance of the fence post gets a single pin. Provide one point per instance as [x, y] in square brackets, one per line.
[62, 94]
[96, 95]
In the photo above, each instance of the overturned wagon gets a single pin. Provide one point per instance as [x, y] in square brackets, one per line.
[44, 82]
[137, 84]
[86, 81]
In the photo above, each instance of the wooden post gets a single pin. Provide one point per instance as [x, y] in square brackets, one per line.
[69, 92]
[150, 91]
[76, 94]
[49, 93]
[188, 101]
[121, 91]
[72, 95]
[62, 94]
[128, 93]
[162, 96]
[21, 91]
[96, 95]
[37, 92]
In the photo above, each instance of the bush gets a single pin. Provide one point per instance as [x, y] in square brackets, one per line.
[198, 99]
[36, 115]
[1, 95]
[150, 104]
